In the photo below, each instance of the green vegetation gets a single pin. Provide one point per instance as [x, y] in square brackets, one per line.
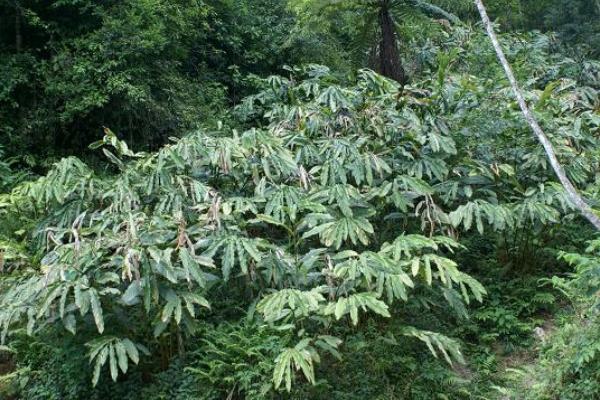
[301, 199]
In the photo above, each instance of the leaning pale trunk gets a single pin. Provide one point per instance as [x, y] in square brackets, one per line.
[572, 193]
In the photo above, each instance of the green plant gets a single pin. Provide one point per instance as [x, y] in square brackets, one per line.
[158, 241]
[326, 227]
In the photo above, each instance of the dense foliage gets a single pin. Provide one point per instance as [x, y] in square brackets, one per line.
[226, 226]
[71, 67]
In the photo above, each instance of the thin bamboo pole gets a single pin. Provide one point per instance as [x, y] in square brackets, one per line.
[572, 193]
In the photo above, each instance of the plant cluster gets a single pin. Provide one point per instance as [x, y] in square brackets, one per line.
[325, 222]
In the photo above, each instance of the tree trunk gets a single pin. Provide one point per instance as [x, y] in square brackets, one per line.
[18, 34]
[572, 193]
[389, 63]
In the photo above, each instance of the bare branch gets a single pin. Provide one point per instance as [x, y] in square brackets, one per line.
[572, 193]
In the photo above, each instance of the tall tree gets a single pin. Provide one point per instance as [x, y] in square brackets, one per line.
[378, 22]
[388, 58]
